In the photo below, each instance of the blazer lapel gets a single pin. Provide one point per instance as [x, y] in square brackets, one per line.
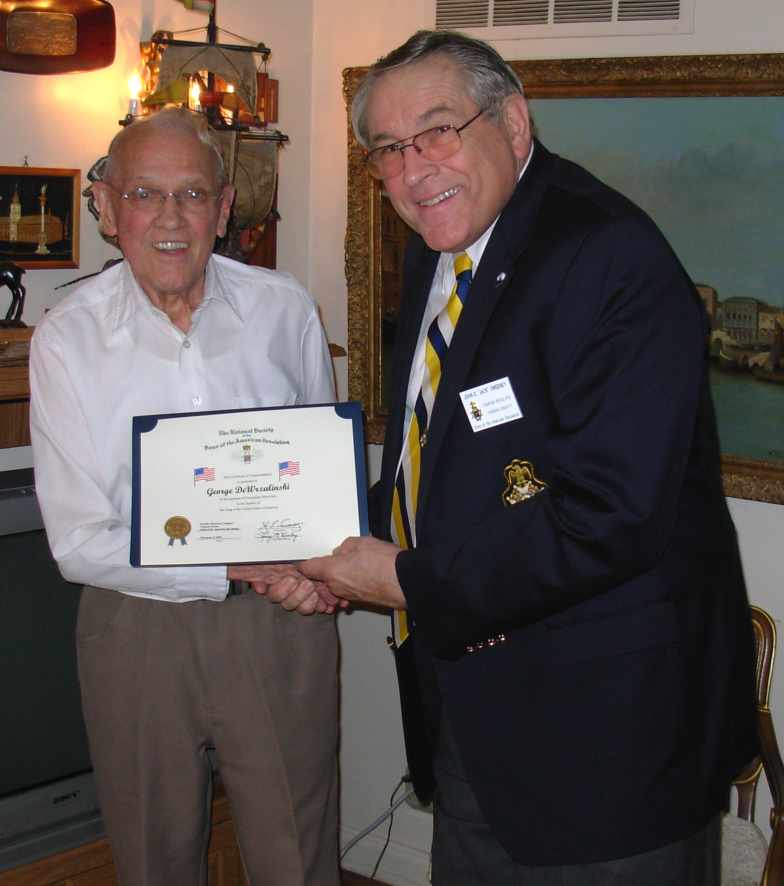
[508, 242]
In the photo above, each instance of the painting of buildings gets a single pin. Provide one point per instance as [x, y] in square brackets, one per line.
[707, 170]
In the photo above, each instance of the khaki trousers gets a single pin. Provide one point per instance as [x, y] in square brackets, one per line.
[162, 682]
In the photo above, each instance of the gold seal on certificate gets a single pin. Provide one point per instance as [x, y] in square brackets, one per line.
[177, 527]
[257, 485]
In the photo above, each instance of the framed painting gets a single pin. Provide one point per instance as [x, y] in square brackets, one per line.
[39, 216]
[696, 142]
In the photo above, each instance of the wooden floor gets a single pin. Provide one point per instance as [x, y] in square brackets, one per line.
[350, 879]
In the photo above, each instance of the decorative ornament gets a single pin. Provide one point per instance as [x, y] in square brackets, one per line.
[56, 36]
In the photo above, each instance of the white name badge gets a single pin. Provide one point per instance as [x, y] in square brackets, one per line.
[490, 404]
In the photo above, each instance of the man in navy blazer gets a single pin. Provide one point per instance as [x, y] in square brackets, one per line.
[571, 574]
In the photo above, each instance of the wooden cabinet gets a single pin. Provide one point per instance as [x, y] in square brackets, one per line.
[91, 864]
[14, 387]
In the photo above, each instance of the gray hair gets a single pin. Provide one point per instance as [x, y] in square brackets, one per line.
[171, 118]
[488, 78]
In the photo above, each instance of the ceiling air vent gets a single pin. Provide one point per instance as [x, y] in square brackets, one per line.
[582, 11]
[521, 12]
[452, 14]
[647, 10]
[518, 19]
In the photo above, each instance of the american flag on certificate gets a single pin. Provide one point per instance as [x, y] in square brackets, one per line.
[203, 474]
[288, 468]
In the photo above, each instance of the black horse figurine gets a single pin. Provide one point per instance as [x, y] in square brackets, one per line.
[11, 276]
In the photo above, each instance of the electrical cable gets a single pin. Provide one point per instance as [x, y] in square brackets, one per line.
[374, 824]
[389, 830]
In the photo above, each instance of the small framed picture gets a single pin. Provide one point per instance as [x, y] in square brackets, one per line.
[39, 216]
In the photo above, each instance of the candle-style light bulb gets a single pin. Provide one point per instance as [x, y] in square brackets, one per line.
[194, 95]
[231, 103]
[134, 89]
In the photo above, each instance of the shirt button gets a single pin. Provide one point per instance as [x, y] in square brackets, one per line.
[423, 440]
[186, 343]
[501, 277]
[196, 401]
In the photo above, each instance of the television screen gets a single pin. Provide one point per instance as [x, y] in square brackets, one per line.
[48, 800]
[45, 737]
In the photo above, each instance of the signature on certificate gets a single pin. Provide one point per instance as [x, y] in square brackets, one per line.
[279, 530]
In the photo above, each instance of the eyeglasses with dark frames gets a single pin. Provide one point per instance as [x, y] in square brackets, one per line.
[438, 143]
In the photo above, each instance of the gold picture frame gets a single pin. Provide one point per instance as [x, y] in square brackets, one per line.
[640, 77]
[39, 216]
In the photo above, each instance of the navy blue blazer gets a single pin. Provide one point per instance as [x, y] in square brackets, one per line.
[613, 716]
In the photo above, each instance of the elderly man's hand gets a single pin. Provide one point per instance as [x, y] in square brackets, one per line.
[361, 570]
[284, 584]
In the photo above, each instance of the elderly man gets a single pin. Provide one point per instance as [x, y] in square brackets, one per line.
[550, 480]
[172, 662]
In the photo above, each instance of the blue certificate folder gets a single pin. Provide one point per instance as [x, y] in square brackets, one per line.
[275, 485]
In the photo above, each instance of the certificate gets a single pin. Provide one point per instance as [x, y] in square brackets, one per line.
[247, 486]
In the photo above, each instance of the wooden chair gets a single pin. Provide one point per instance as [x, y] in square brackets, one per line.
[746, 860]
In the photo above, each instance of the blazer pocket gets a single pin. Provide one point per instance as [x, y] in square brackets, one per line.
[651, 626]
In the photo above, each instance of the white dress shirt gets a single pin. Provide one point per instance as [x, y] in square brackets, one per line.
[105, 354]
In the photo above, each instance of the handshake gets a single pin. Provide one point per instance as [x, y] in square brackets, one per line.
[359, 570]
[285, 584]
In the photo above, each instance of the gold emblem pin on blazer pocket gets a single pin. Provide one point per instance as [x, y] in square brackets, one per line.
[521, 482]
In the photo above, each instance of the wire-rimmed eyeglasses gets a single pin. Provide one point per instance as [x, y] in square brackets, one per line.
[437, 143]
[196, 201]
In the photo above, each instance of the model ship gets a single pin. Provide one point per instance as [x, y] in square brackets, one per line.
[229, 83]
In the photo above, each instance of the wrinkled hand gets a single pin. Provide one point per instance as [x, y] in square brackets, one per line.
[284, 584]
[361, 570]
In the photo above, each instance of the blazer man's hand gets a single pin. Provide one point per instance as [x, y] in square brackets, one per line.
[361, 570]
[284, 584]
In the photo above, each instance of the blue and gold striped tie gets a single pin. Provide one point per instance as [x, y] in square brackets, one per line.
[439, 337]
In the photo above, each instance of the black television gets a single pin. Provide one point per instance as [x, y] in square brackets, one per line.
[48, 800]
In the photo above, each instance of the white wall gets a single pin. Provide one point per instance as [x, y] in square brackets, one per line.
[372, 760]
[68, 120]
